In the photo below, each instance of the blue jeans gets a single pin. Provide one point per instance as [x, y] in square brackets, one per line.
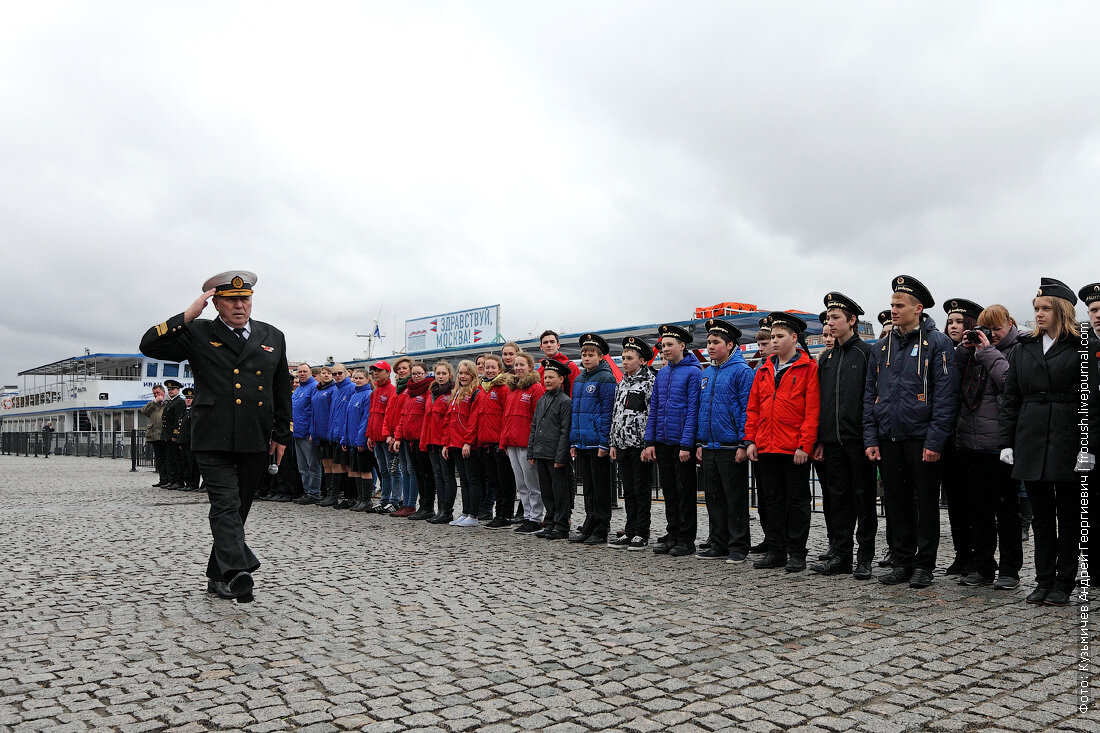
[309, 466]
[382, 457]
[408, 475]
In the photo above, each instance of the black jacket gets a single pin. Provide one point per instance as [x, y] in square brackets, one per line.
[1038, 411]
[242, 394]
[174, 408]
[842, 374]
[550, 428]
[184, 438]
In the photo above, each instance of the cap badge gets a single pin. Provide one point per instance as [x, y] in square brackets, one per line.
[954, 304]
[901, 280]
[237, 282]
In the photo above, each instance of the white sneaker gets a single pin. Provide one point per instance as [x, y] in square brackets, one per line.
[458, 522]
[469, 521]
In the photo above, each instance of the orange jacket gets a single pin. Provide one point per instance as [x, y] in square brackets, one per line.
[783, 418]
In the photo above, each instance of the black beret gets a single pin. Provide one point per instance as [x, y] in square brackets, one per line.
[732, 332]
[884, 317]
[555, 366]
[639, 345]
[913, 286]
[787, 319]
[840, 300]
[968, 308]
[1052, 288]
[1090, 293]
[679, 332]
[172, 384]
[594, 339]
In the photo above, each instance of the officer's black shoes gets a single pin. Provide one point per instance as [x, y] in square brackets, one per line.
[955, 568]
[863, 570]
[578, 538]
[1056, 598]
[1038, 596]
[663, 547]
[832, 566]
[887, 561]
[921, 578]
[896, 576]
[759, 548]
[770, 561]
[796, 563]
[710, 554]
[1006, 582]
[241, 587]
[594, 541]
[975, 579]
[218, 588]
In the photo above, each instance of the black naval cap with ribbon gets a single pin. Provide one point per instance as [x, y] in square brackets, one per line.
[884, 317]
[172, 384]
[676, 332]
[913, 286]
[594, 339]
[1089, 294]
[188, 391]
[555, 366]
[788, 319]
[1051, 288]
[639, 345]
[842, 301]
[723, 328]
[231, 283]
[967, 308]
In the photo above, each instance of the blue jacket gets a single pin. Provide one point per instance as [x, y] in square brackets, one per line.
[301, 408]
[320, 402]
[674, 406]
[723, 401]
[912, 389]
[593, 405]
[338, 410]
[355, 424]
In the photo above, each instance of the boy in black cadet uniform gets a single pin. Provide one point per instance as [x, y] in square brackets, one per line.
[190, 474]
[590, 438]
[909, 406]
[884, 322]
[628, 439]
[764, 350]
[548, 449]
[849, 478]
[819, 465]
[170, 421]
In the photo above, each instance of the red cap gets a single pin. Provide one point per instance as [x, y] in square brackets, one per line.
[383, 366]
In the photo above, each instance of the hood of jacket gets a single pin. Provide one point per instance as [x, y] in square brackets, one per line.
[497, 381]
[527, 380]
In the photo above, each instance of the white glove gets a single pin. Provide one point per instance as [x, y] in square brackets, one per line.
[1006, 456]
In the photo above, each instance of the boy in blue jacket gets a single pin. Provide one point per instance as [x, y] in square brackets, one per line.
[720, 437]
[670, 438]
[337, 421]
[354, 442]
[590, 438]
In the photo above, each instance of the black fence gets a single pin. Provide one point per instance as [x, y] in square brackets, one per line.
[122, 444]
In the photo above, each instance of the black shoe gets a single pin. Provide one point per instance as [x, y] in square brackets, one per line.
[423, 513]
[710, 554]
[921, 578]
[761, 548]
[706, 545]
[662, 548]
[241, 587]
[1056, 598]
[1038, 596]
[528, 527]
[955, 568]
[278, 497]
[218, 588]
[769, 561]
[888, 561]
[796, 563]
[158, 485]
[619, 543]
[577, 538]
[833, 566]
[541, 534]
[594, 540]
[975, 579]
[485, 517]
[556, 534]
[307, 499]
[173, 486]
[1006, 582]
[498, 523]
[828, 554]
[441, 519]
[328, 500]
[863, 570]
[896, 576]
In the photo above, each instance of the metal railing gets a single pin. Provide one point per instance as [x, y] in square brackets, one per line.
[118, 444]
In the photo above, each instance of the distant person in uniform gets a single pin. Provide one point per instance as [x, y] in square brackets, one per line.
[47, 438]
[189, 475]
[170, 418]
[154, 431]
[240, 415]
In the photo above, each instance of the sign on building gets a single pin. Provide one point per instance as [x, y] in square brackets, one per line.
[457, 330]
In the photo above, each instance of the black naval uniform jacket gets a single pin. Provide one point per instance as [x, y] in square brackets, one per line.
[170, 418]
[242, 394]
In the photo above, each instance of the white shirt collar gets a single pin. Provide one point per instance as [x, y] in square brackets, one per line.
[247, 326]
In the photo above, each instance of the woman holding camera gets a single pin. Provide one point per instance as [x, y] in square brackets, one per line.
[1040, 437]
[962, 318]
[990, 492]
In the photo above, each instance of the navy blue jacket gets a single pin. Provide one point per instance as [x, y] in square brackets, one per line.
[912, 389]
[723, 400]
[301, 408]
[674, 406]
[593, 405]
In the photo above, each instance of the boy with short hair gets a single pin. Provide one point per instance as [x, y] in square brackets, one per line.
[380, 397]
[551, 349]
[590, 438]
[628, 423]
[548, 449]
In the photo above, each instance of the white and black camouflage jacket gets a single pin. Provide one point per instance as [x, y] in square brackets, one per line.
[631, 409]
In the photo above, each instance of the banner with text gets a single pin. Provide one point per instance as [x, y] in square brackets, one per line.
[458, 330]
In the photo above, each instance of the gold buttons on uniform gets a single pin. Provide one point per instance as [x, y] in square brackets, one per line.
[238, 401]
[236, 371]
[237, 385]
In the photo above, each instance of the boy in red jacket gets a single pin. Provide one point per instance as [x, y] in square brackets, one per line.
[380, 399]
[780, 433]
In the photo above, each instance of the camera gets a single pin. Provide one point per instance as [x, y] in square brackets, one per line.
[973, 338]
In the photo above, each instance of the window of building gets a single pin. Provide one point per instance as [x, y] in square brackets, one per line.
[186, 371]
[171, 370]
[151, 369]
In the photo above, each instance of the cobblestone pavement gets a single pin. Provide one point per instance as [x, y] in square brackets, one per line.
[366, 622]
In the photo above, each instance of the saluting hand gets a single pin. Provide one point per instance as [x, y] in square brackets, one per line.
[195, 309]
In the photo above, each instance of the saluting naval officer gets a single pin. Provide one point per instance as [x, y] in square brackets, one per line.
[240, 414]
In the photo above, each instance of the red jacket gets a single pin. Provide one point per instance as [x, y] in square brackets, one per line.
[380, 400]
[435, 420]
[460, 426]
[490, 411]
[783, 419]
[411, 422]
[519, 410]
[393, 413]
[574, 370]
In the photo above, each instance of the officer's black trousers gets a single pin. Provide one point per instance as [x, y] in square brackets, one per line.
[158, 459]
[190, 467]
[231, 481]
[726, 483]
[850, 483]
[556, 486]
[787, 490]
[911, 491]
[679, 485]
[595, 475]
[173, 463]
[637, 490]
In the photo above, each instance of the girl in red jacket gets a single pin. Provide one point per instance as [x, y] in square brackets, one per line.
[432, 439]
[492, 463]
[780, 431]
[458, 437]
[404, 479]
[515, 430]
[406, 439]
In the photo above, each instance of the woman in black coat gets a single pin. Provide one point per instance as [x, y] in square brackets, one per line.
[1040, 437]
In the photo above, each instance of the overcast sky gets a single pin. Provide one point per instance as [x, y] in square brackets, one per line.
[584, 165]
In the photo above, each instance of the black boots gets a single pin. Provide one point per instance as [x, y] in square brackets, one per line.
[363, 492]
[329, 497]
